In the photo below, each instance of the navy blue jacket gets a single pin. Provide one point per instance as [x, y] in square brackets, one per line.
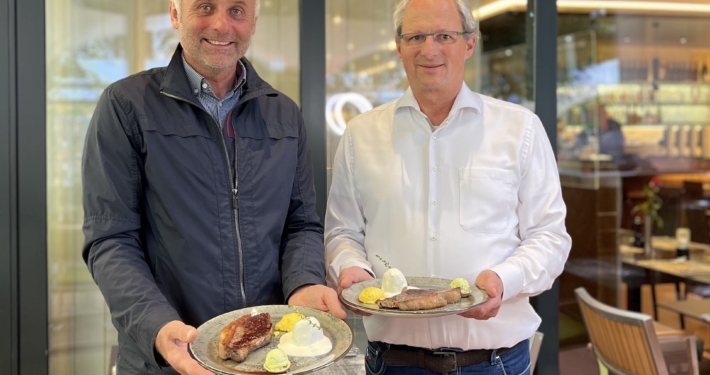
[167, 235]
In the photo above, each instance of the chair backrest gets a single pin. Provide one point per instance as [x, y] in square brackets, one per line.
[623, 341]
[535, 344]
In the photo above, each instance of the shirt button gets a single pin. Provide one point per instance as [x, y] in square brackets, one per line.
[433, 136]
[196, 91]
[204, 85]
[220, 104]
[434, 203]
[433, 238]
[435, 169]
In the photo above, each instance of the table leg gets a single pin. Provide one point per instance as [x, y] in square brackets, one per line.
[633, 297]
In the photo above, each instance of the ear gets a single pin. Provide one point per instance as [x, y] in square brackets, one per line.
[470, 45]
[253, 28]
[174, 18]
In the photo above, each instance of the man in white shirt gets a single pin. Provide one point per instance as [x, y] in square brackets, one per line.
[447, 183]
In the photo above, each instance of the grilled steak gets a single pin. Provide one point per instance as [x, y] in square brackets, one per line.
[244, 336]
[421, 299]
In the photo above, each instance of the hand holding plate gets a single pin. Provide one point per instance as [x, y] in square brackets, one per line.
[172, 342]
[350, 276]
[493, 285]
[318, 297]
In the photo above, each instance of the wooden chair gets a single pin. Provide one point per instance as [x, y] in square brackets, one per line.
[535, 344]
[626, 343]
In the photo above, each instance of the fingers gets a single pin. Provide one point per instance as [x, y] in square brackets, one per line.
[352, 275]
[346, 280]
[319, 297]
[333, 304]
[485, 311]
[171, 343]
[185, 365]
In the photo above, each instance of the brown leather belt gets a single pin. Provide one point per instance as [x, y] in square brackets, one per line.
[436, 360]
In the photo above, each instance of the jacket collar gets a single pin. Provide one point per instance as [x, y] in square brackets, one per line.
[175, 82]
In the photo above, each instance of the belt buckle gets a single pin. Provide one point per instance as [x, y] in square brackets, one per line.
[452, 355]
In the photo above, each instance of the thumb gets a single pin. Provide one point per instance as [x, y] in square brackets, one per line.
[333, 304]
[187, 334]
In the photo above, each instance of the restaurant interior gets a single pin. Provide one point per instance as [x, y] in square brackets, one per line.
[632, 143]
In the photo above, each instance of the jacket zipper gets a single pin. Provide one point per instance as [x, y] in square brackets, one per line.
[234, 190]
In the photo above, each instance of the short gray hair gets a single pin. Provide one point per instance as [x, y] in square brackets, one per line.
[470, 25]
[176, 3]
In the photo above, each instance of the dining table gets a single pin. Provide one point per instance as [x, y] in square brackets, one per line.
[661, 266]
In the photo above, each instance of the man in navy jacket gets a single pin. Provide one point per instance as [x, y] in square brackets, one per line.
[198, 193]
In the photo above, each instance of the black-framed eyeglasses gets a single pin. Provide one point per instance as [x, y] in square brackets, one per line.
[441, 37]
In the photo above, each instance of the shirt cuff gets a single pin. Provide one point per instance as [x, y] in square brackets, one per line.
[512, 279]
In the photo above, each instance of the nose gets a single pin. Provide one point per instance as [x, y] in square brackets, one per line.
[430, 47]
[220, 22]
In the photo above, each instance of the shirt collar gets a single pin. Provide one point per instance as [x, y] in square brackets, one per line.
[199, 84]
[465, 99]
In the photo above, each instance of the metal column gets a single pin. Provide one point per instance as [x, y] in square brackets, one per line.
[312, 64]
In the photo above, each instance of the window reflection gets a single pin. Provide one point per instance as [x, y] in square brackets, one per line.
[633, 115]
[91, 44]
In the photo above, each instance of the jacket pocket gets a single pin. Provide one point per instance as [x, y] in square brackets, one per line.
[183, 129]
[283, 131]
[275, 131]
[486, 198]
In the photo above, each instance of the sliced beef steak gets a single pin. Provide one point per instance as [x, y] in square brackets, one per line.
[421, 299]
[244, 336]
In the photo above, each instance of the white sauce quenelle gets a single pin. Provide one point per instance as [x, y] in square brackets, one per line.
[306, 339]
[393, 282]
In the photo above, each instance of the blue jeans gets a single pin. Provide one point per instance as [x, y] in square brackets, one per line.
[514, 362]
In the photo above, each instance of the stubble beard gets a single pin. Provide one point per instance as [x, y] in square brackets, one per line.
[213, 62]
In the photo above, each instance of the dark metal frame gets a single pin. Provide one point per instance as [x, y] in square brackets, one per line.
[23, 214]
[312, 63]
[544, 66]
[8, 313]
[32, 186]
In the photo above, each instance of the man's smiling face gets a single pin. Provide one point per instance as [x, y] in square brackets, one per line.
[431, 66]
[214, 34]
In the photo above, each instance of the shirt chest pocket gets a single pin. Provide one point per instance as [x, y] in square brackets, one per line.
[486, 199]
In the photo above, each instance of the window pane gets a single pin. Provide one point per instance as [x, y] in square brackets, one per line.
[634, 108]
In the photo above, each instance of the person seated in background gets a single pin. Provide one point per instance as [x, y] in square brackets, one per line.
[611, 140]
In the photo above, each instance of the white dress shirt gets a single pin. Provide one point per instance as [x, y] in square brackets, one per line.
[480, 192]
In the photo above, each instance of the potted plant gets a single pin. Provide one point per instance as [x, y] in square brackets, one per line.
[649, 209]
